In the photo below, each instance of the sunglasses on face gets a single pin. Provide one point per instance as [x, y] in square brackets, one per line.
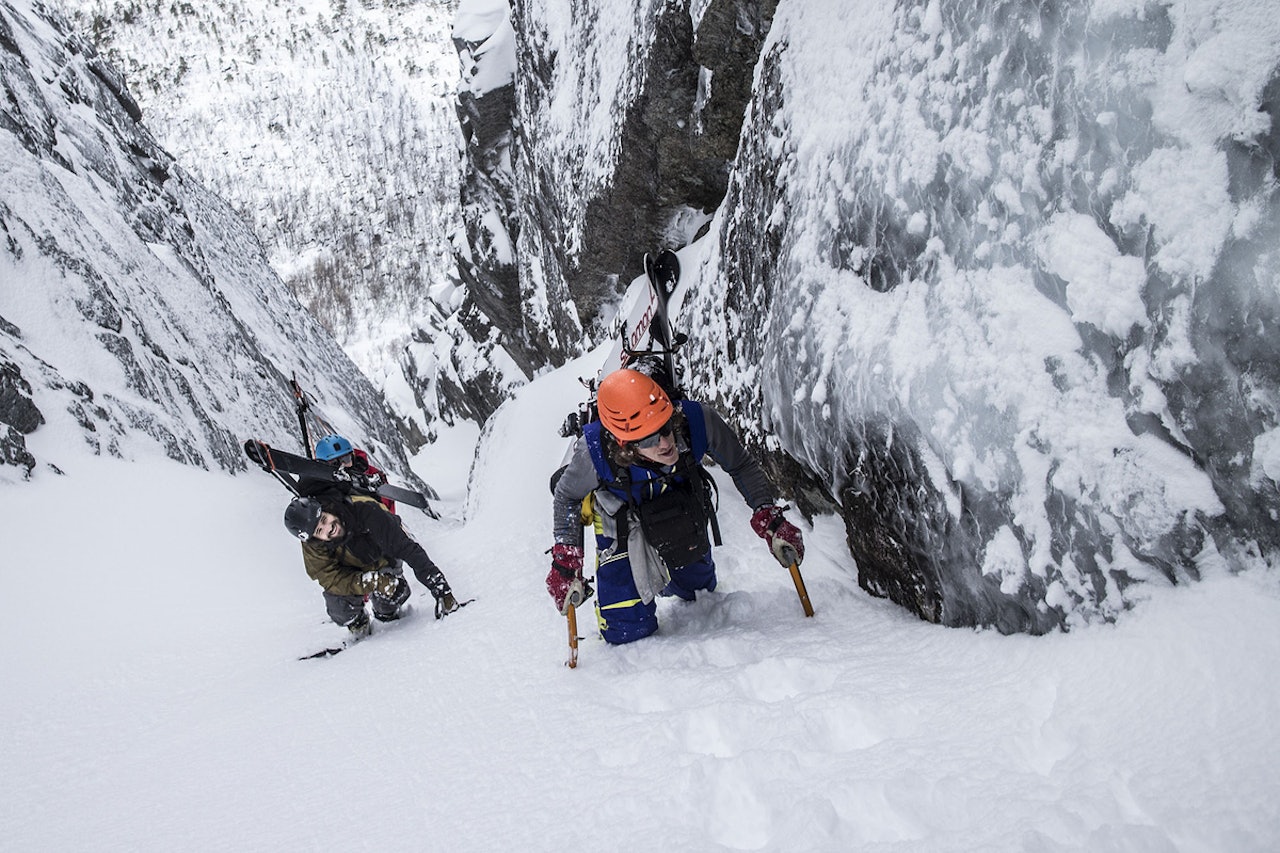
[651, 441]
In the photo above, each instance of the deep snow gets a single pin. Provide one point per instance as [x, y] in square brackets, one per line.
[153, 700]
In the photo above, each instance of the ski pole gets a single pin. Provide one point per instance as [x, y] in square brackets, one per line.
[572, 662]
[300, 404]
[800, 590]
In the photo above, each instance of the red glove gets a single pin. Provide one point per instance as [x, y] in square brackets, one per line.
[564, 581]
[783, 537]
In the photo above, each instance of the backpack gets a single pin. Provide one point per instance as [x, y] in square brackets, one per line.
[674, 508]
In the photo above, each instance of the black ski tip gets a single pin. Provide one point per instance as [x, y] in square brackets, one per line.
[666, 271]
[323, 653]
[253, 449]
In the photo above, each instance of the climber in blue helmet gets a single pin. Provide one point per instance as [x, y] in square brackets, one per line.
[339, 452]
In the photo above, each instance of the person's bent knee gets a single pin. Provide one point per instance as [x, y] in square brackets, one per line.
[619, 631]
[343, 609]
[388, 609]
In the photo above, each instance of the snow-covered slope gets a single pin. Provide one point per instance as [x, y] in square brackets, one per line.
[137, 311]
[153, 702]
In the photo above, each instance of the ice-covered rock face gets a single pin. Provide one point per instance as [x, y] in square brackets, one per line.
[1018, 268]
[622, 120]
[516, 322]
[136, 310]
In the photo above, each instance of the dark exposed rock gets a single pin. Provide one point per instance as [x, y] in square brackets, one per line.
[13, 451]
[471, 388]
[114, 81]
[727, 43]
[677, 143]
[7, 42]
[490, 273]
[913, 549]
[16, 407]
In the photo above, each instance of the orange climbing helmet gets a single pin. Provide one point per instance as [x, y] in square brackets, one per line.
[632, 405]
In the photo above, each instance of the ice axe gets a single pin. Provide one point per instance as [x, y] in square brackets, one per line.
[789, 553]
[572, 662]
[578, 593]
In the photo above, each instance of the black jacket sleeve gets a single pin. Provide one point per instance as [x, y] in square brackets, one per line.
[395, 543]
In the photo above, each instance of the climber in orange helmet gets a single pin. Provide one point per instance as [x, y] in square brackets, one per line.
[651, 504]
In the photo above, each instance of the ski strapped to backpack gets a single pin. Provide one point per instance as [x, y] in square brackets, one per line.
[314, 426]
[305, 407]
[644, 340]
[301, 406]
[281, 463]
[663, 273]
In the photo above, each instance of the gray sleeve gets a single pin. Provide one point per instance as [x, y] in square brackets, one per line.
[748, 476]
[578, 481]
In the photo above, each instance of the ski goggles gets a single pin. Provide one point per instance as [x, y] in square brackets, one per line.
[651, 441]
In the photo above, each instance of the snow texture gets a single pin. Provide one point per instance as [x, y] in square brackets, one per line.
[331, 128]
[153, 701]
[580, 108]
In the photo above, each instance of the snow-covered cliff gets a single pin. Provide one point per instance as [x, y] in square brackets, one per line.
[138, 313]
[330, 127]
[1018, 271]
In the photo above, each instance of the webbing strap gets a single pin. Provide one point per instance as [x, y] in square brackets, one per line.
[631, 602]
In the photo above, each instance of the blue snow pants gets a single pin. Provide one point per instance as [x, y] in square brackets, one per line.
[623, 616]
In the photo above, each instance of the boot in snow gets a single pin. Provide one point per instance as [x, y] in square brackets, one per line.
[360, 627]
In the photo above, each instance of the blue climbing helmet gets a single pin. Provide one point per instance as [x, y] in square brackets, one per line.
[332, 447]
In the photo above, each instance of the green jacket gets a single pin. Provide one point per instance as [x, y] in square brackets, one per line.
[375, 539]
